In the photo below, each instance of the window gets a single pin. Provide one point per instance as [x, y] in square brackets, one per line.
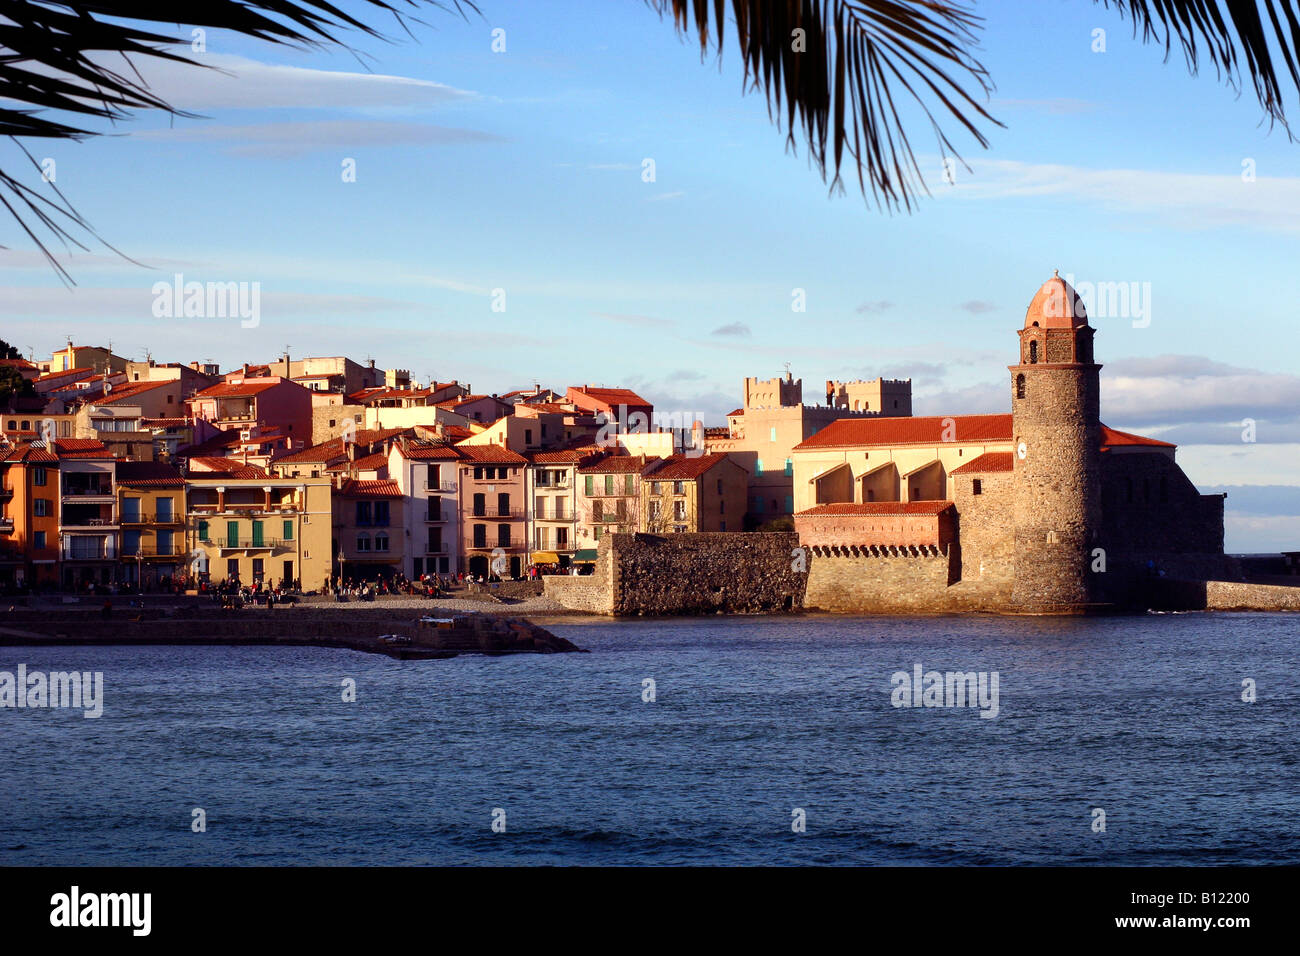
[39, 477]
[164, 508]
[562, 538]
[588, 484]
[203, 531]
[722, 526]
[164, 541]
[258, 540]
[539, 507]
[656, 487]
[758, 466]
[598, 509]
[722, 507]
[758, 506]
[381, 541]
[503, 536]
[257, 569]
[478, 472]
[131, 543]
[679, 510]
[789, 504]
[1020, 386]
[480, 505]
[977, 487]
[609, 484]
[1033, 351]
[679, 487]
[480, 535]
[628, 487]
[41, 507]
[381, 514]
[503, 504]
[38, 540]
[364, 513]
[288, 530]
[528, 436]
[559, 507]
[654, 510]
[363, 542]
[596, 533]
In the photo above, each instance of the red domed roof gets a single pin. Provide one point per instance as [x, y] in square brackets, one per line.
[1056, 306]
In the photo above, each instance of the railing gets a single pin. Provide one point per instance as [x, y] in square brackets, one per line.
[6, 492]
[443, 515]
[270, 543]
[447, 487]
[101, 553]
[515, 544]
[6, 524]
[373, 523]
[152, 518]
[68, 522]
[498, 513]
[435, 549]
[151, 552]
[99, 492]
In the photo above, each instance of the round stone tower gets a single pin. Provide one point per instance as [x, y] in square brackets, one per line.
[1056, 435]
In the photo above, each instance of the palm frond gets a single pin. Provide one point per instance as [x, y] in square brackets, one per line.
[1231, 32]
[838, 84]
[76, 57]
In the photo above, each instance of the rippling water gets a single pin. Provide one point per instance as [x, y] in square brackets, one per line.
[1139, 716]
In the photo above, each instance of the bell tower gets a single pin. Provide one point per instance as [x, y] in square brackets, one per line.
[1056, 468]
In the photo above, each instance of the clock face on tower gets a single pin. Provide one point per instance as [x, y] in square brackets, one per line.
[1021, 451]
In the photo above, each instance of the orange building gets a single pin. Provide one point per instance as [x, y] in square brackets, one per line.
[29, 525]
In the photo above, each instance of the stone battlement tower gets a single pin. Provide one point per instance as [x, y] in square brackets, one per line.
[1056, 431]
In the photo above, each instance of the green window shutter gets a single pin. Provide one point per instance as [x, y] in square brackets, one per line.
[587, 483]
[203, 531]
[288, 529]
[609, 484]
[232, 534]
[257, 534]
[627, 484]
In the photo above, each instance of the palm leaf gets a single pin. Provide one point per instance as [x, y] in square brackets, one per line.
[52, 57]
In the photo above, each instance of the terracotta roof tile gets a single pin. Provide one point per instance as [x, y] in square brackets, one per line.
[929, 430]
[988, 462]
[370, 489]
[684, 468]
[494, 454]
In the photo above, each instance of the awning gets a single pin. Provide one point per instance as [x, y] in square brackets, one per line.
[545, 557]
[585, 556]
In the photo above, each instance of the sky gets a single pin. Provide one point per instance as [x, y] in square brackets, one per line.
[488, 179]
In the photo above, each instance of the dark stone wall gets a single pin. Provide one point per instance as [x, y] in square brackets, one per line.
[713, 572]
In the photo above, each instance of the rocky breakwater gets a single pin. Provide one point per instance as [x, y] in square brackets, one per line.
[402, 634]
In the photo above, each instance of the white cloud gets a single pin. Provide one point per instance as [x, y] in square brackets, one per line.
[1184, 200]
[235, 82]
[295, 138]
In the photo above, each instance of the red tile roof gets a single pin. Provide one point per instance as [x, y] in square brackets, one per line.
[618, 465]
[27, 452]
[81, 448]
[494, 454]
[929, 430]
[430, 450]
[1111, 436]
[370, 489]
[74, 373]
[237, 389]
[988, 462]
[880, 508]
[364, 463]
[684, 468]
[224, 468]
[123, 392]
[329, 450]
[607, 396]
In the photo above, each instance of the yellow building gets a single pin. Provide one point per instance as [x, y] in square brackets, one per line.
[260, 529]
[685, 494]
[151, 516]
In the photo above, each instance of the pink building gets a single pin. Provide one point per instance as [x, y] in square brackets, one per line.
[246, 403]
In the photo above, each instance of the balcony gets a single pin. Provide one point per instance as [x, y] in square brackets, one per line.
[514, 544]
[248, 544]
[151, 552]
[6, 525]
[151, 518]
[82, 492]
[498, 513]
[439, 487]
[439, 516]
[436, 548]
[102, 551]
[6, 494]
[82, 519]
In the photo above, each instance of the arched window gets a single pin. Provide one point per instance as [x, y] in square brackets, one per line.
[363, 542]
[1033, 351]
[1020, 386]
[381, 542]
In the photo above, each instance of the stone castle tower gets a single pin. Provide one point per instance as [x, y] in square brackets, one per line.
[1056, 431]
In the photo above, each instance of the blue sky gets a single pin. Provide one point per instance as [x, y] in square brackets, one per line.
[522, 171]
